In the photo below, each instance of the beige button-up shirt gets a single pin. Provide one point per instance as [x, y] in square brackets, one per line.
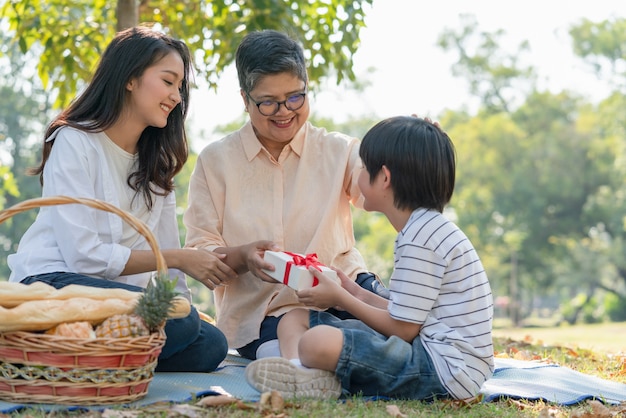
[238, 193]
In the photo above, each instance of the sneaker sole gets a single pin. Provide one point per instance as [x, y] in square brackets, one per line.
[291, 381]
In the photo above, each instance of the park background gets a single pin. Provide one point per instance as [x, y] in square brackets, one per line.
[532, 93]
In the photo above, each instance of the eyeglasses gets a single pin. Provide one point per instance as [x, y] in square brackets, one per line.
[271, 107]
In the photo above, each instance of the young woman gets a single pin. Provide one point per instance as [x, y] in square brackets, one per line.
[122, 141]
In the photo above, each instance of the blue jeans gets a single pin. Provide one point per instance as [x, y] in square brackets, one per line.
[269, 325]
[192, 345]
[374, 365]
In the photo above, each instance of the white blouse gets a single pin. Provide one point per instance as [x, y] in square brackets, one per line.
[80, 239]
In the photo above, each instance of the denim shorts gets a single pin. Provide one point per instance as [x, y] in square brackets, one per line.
[371, 364]
[268, 330]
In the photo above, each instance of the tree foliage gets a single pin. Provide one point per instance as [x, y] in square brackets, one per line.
[603, 46]
[23, 112]
[493, 74]
[541, 176]
[69, 36]
[541, 180]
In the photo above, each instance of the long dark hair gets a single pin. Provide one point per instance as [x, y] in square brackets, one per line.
[162, 152]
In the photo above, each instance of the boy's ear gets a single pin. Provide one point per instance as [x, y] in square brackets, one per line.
[386, 176]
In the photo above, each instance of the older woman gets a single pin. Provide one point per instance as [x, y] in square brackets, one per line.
[276, 183]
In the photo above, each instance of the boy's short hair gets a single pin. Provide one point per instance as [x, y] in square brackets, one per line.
[420, 157]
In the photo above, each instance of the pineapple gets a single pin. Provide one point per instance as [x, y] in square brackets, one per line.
[151, 311]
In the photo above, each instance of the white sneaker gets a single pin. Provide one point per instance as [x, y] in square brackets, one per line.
[291, 381]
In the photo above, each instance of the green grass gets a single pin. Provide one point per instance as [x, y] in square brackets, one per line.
[607, 338]
[571, 350]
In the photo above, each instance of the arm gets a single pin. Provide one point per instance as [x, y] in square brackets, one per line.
[358, 292]
[202, 265]
[354, 167]
[83, 235]
[204, 221]
[328, 293]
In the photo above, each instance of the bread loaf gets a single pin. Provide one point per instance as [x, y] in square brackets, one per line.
[40, 315]
[13, 294]
[38, 306]
[81, 329]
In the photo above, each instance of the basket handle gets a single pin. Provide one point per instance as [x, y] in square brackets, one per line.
[133, 221]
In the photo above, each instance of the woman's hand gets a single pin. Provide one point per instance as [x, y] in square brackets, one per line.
[249, 257]
[205, 266]
[252, 255]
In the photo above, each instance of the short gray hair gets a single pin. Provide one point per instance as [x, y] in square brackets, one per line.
[268, 52]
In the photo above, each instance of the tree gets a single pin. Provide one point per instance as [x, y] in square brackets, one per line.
[70, 36]
[603, 46]
[494, 75]
[540, 178]
[23, 112]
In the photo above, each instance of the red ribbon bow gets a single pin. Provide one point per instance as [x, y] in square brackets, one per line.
[299, 260]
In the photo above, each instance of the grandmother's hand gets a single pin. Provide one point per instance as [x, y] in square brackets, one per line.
[252, 255]
[207, 267]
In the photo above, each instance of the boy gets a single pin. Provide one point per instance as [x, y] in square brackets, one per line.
[432, 338]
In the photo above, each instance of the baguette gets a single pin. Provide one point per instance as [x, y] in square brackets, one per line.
[39, 306]
[13, 294]
[40, 315]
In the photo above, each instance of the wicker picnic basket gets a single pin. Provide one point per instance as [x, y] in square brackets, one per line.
[42, 368]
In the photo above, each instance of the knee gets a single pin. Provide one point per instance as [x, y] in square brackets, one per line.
[215, 338]
[215, 348]
[320, 347]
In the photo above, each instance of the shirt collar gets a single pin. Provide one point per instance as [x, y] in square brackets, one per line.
[252, 146]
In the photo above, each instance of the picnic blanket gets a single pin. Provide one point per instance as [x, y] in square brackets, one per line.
[535, 381]
[512, 379]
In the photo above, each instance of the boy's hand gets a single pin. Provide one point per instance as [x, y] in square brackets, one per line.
[349, 284]
[326, 294]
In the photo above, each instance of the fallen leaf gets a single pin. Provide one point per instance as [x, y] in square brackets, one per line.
[116, 413]
[462, 403]
[219, 400]
[599, 409]
[277, 403]
[264, 400]
[593, 409]
[549, 412]
[518, 404]
[186, 410]
[394, 411]
[571, 352]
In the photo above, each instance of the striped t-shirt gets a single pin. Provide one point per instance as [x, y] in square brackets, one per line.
[440, 283]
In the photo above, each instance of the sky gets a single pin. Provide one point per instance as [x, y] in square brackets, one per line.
[413, 75]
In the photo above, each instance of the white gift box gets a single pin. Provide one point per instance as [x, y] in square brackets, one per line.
[292, 269]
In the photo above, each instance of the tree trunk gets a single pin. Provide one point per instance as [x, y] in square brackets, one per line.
[127, 14]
